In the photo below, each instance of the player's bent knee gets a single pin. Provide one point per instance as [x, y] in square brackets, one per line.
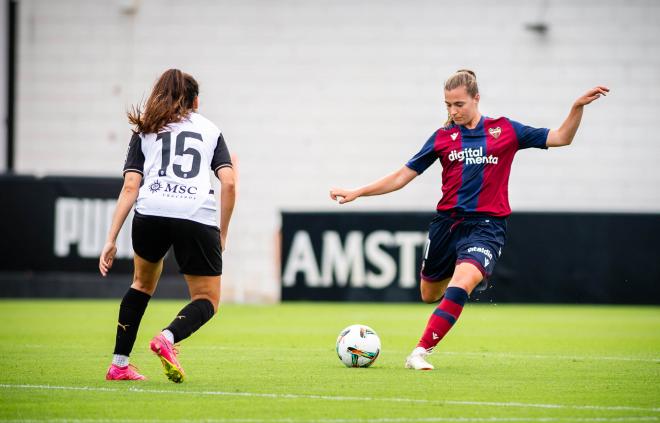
[432, 291]
[204, 288]
[430, 298]
[466, 276]
[143, 286]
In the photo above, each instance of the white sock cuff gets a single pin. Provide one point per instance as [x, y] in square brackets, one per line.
[120, 360]
[168, 335]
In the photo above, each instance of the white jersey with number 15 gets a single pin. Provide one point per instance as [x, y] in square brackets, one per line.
[176, 165]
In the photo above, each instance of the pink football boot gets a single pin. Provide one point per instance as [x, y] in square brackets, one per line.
[167, 354]
[123, 373]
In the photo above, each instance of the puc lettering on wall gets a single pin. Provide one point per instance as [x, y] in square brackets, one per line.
[82, 224]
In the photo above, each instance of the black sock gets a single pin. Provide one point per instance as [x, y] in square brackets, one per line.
[131, 310]
[191, 318]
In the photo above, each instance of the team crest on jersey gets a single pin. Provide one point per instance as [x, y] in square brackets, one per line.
[453, 136]
[155, 186]
[495, 132]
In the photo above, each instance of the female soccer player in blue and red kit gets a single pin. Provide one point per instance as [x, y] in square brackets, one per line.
[468, 232]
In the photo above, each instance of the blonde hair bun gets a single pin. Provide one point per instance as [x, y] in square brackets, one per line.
[471, 72]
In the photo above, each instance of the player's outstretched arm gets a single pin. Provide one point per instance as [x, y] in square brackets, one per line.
[127, 197]
[389, 183]
[564, 135]
[227, 179]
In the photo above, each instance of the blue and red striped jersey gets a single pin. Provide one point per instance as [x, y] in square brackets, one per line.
[476, 163]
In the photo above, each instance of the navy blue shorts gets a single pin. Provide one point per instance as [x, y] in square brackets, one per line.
[456, 238]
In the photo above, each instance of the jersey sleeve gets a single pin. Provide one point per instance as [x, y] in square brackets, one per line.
[134, 157]
[221, 156]
[425, 157]
[529, 137]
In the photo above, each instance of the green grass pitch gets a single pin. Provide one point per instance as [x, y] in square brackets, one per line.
[253, 364]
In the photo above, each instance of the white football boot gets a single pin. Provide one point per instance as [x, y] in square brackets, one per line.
[417, 360]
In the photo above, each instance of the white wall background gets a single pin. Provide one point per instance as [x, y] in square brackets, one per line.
[313, 94]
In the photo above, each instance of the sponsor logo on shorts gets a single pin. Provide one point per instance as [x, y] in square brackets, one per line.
[482, 250]
[472, 156]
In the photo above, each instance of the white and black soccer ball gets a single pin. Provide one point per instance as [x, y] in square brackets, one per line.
[358, 346]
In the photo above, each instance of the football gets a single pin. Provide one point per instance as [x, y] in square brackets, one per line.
[358, 346]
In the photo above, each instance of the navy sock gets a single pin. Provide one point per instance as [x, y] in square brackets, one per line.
[191, 318]
[131, 310]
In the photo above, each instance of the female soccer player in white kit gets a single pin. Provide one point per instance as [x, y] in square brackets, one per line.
[167, 170]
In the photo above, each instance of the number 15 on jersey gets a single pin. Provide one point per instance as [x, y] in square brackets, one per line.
[181, 151]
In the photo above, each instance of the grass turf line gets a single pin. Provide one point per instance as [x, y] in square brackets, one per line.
[593, 362]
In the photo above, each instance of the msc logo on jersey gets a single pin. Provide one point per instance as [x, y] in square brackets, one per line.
[472, 156]
[173, 190]
[155, 186]
[180, 189]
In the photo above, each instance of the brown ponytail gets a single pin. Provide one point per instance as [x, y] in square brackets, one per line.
[462, 78]
[170, 101]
